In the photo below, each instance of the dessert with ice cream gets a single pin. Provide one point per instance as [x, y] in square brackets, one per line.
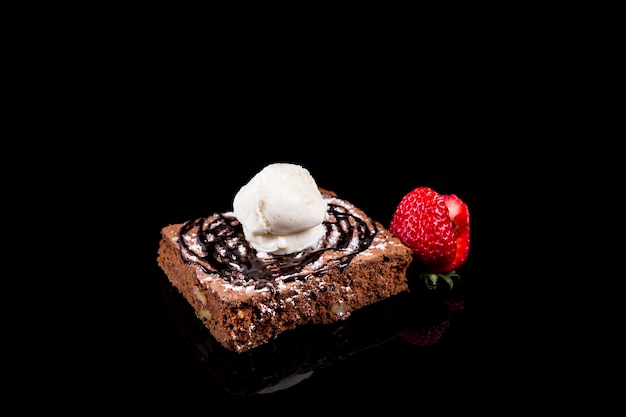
[289, 254]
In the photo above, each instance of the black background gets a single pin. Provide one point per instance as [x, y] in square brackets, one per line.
[151, 133]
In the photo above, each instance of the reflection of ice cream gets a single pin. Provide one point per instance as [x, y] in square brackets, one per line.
[281, 209]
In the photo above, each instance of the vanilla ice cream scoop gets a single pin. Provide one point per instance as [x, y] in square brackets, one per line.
[281, 209]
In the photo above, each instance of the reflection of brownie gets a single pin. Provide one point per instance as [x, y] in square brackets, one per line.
[246, 298]
[419, 317]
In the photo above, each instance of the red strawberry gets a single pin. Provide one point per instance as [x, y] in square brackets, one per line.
[436, 227]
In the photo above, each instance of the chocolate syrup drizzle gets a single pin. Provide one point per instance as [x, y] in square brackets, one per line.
[217, 245]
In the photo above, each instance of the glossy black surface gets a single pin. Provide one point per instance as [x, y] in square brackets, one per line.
[156, 353]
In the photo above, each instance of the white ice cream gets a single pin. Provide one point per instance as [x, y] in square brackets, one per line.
[281, 209]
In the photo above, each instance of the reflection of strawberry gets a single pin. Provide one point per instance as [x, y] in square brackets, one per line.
[437, 228]
[427, 335]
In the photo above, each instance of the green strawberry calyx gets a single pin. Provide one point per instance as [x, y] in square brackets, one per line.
[432, 280]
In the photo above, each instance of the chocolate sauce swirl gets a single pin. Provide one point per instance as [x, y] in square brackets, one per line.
[217, 245]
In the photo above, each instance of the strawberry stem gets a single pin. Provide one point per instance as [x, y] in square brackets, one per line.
[432, 280]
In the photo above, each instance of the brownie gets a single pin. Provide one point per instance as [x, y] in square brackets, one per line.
[247, 298]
